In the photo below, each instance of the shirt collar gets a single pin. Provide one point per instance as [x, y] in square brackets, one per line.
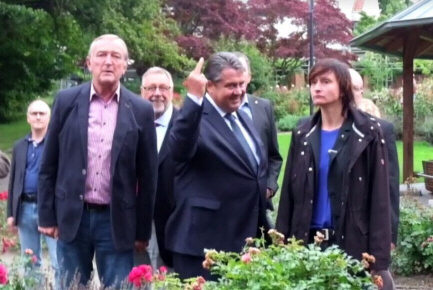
[30, 140]
[164, 119]
[219, 110]
[93, 92]
[245, 100]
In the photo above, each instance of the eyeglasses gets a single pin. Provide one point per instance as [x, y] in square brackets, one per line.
[162, 89]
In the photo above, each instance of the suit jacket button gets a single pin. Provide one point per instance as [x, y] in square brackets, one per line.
[84, 171]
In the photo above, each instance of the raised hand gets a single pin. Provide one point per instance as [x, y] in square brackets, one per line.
[195, 83]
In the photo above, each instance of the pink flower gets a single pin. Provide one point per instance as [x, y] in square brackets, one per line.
[4, 195]
[200, 280]
[7, 243]
[28, 252]
[140, 274]
[162, 269]
[246, 258]
[162, 272]
[34, 259]
[3, 274]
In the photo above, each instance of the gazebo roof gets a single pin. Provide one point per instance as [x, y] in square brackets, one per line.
[388, 37]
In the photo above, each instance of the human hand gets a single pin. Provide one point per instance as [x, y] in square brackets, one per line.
[141, 246]
[11, 224]
[49, 231]
[195, 83]
[269, 193]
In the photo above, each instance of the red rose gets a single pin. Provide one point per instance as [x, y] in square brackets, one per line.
[4, 195]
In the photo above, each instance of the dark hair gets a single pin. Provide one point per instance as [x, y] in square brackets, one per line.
[219, 61]
[341, 72]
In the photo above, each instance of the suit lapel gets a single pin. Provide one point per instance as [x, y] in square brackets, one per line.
[253, 104]
[254, 135]
[217, 122]
[22, 157]
[123, 121]
[163, 152]
[83, 118]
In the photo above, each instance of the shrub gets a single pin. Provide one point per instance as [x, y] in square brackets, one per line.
[293, 102]
[414, 253]
[427, 129]
[288, 122]
[286, 266]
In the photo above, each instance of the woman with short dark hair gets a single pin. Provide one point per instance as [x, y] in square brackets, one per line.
[336, 179]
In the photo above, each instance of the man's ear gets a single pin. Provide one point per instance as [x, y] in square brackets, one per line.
[88, 63]
[210, 87]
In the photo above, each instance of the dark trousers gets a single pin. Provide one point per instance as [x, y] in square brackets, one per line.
[94, 239]
[188, 266]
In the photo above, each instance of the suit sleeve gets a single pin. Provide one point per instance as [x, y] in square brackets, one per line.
[11, 185]
[147, 174]
[379, 207]
[394, 177]
[285, 207]
[274, 158]
[185, 132]
[48, 170]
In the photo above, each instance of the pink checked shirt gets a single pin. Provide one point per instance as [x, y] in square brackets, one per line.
[102, 122]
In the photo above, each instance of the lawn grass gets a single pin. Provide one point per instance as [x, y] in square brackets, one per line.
[11, 132]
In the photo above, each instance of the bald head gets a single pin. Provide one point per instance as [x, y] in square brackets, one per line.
[357, 85]
[38, 116]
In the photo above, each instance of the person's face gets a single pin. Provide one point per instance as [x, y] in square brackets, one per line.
[228, 92]
[325, 89]
[107, 62]
[38, 116]
[357, 89]
[157, 89]
[247, 75]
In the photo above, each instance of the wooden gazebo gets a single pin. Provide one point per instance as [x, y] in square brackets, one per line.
[408, 34]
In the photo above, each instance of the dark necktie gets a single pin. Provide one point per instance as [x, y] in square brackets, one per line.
[240, 137]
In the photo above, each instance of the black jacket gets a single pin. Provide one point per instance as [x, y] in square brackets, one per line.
[357, 186]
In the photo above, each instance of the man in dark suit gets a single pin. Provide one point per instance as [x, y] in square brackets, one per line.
[23, 185]
[220, 183]
[261, 112]
[98, 173]
[157, 87]
[369, 107]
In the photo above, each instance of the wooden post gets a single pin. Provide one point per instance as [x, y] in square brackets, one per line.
[409, 48]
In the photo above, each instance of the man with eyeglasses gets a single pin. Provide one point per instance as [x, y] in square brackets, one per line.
[22, 211]
[157, 87]
[220, 182]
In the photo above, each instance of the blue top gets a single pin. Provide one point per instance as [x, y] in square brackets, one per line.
[33, 163]
[322, 217]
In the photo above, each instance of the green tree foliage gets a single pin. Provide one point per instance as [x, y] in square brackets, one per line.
[391, 7]
[379, 69]
[31, 55]
[147, 32]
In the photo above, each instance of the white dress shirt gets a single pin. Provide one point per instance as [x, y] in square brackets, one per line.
[161, 125]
